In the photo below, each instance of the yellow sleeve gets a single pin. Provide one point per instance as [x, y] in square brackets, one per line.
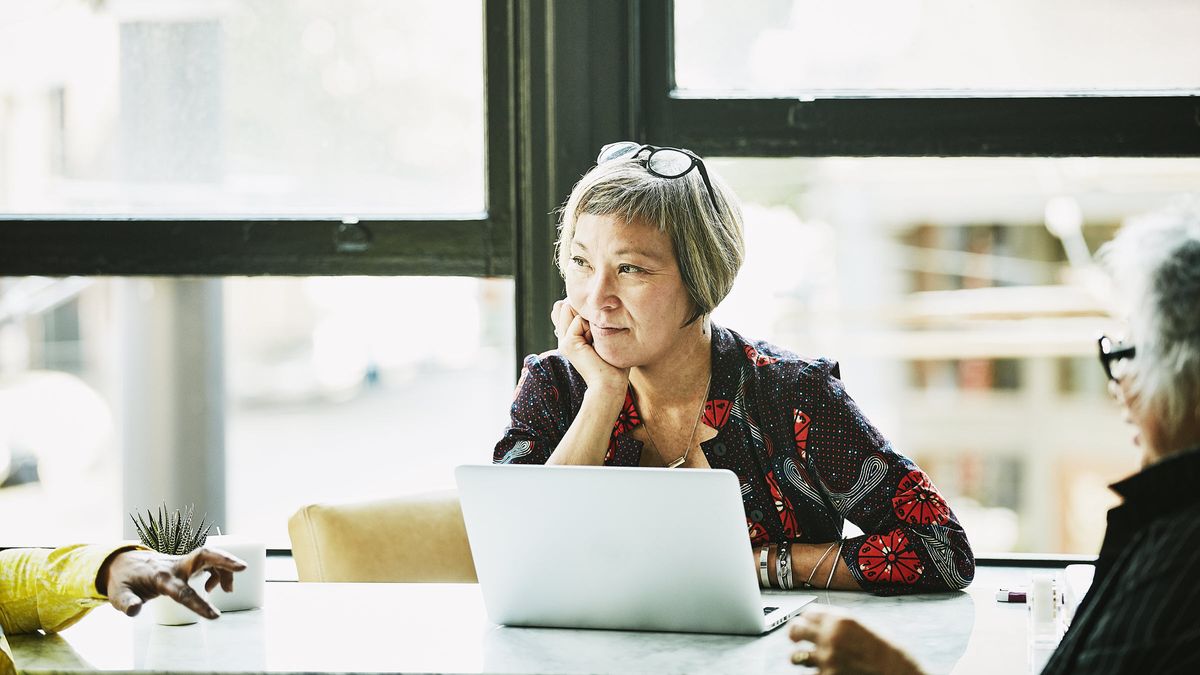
[44, 589]
[6, 659]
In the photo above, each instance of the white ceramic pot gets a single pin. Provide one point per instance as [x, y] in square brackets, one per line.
[250, 583]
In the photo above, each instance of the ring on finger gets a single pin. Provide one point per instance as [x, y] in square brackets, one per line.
[802, 657]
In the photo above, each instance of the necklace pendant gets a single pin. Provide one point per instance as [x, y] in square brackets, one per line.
[676, 463]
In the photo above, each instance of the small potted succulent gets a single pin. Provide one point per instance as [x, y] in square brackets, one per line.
[172, 533]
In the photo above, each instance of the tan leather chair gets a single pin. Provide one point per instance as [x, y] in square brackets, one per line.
[417, 538]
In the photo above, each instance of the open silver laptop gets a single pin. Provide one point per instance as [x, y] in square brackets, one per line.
[617, 548]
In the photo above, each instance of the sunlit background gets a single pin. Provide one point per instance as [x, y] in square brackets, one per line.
[959, 295]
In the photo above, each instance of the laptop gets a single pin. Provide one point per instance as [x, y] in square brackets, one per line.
[616, 548]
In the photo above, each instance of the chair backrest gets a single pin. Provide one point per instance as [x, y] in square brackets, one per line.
[417, 538]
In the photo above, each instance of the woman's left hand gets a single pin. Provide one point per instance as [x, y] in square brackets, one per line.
[843, 645]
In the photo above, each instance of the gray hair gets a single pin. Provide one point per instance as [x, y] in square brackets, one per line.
[708, 244]
[1155, 264]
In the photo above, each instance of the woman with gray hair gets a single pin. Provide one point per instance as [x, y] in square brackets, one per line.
[1142, 613]
[650, 242]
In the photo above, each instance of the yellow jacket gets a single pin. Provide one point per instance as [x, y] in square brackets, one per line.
[44, 589]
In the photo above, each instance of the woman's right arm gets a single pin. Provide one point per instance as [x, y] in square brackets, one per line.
[542, 429]
[586, 440]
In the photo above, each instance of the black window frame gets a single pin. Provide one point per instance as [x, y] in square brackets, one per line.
[470, 244]
[1100, 124]
[561, 80]
[1074, 124]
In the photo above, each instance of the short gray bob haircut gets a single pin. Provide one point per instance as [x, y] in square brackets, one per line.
[1155, 264]
[708, 244]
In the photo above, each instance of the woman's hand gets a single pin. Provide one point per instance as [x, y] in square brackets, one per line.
[575, 342]
[130, 578]
[843, 645]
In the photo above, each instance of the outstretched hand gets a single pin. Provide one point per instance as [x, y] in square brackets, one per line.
[130, 578]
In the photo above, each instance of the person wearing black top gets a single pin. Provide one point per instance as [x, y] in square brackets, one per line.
[1142, 613]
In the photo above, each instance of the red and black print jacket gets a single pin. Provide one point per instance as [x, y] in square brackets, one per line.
[806, 456]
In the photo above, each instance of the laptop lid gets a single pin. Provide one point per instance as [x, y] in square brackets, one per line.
[614, 547]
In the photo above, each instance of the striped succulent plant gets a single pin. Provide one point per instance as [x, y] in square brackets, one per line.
[171, 533]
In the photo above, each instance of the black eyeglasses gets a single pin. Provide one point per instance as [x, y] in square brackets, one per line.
[661, 162]
[1113, 351]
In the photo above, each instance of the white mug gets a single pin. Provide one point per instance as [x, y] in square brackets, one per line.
[249, 584]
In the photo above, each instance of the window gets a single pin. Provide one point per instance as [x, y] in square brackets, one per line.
[964, 324]
[939, 47]
[245, 138]
[925, 183]
[359, 387]
[317, 148]
[334, 388]
[242, 108]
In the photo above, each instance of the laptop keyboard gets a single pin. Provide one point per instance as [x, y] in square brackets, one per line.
[768, 610]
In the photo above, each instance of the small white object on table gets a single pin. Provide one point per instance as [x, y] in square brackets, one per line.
[248, 585]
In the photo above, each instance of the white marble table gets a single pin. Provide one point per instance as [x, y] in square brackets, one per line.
[345, 628]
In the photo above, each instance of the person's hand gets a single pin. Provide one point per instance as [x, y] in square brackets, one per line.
[842, 645]
[575, 342]
[130, 578]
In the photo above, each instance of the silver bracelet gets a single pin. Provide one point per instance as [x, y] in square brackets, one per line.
[783, 566]
[833, 567]
[808, 583]
[762, 568]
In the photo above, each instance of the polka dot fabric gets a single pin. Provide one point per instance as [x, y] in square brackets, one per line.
[805, 455]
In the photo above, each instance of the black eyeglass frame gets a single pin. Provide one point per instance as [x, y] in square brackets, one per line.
[1110, 351]
[697, 163]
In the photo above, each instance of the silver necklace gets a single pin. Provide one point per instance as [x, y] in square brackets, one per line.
[687, 448]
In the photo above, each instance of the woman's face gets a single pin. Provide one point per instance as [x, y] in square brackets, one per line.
[1121, 391]
[623, 279]
[1145, 427]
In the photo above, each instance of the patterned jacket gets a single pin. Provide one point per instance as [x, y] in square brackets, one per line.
[806, 456]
